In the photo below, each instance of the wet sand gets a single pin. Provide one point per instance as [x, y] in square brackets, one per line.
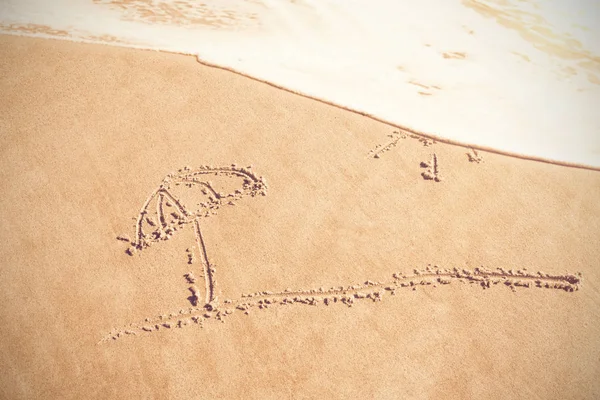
[357, 260]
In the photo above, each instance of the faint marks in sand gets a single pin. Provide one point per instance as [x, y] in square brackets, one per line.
[425, 90]
[194, 298]
[45, 30]
[105, 39]
[521, 56]
[595, 79]
[458, 55]
[379, 149]
[185, 12]
[432, 169]
[33, 29]
[432, 172]
[393, 140]
[534, 28]
[474, 156]
[432, 165]
[432, 276]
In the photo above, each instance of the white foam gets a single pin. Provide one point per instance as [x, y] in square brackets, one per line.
[533, 91]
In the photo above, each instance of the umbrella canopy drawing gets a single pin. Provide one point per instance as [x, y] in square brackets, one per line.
[163, 213]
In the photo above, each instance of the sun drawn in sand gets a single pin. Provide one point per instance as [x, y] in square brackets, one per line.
[164, 213]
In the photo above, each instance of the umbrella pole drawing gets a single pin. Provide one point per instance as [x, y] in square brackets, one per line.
[209, 281]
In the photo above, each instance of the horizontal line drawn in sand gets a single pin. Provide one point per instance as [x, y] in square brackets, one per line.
[374, 291]
[171, 214]
[433, 169]
[394, 138]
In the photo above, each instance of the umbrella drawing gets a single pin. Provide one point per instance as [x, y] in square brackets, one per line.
[172, 212]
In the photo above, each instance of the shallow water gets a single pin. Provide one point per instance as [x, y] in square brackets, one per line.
[521, 77]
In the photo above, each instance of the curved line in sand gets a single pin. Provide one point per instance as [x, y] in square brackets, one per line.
[140, 218]
[348, 295]
[186, 176]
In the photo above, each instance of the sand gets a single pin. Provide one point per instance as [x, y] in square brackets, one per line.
[356, 260]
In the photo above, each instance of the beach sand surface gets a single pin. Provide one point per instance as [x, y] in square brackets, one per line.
[89, 132]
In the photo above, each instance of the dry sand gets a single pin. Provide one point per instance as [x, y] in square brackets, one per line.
[90, 132]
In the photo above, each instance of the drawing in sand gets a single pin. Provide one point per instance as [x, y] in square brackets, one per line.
[394, 139]
[167, 223]
[163, 223]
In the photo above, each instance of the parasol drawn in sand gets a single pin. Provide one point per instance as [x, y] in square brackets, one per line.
[172, 212]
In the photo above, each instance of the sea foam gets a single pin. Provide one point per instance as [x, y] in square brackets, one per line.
[520, 77]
